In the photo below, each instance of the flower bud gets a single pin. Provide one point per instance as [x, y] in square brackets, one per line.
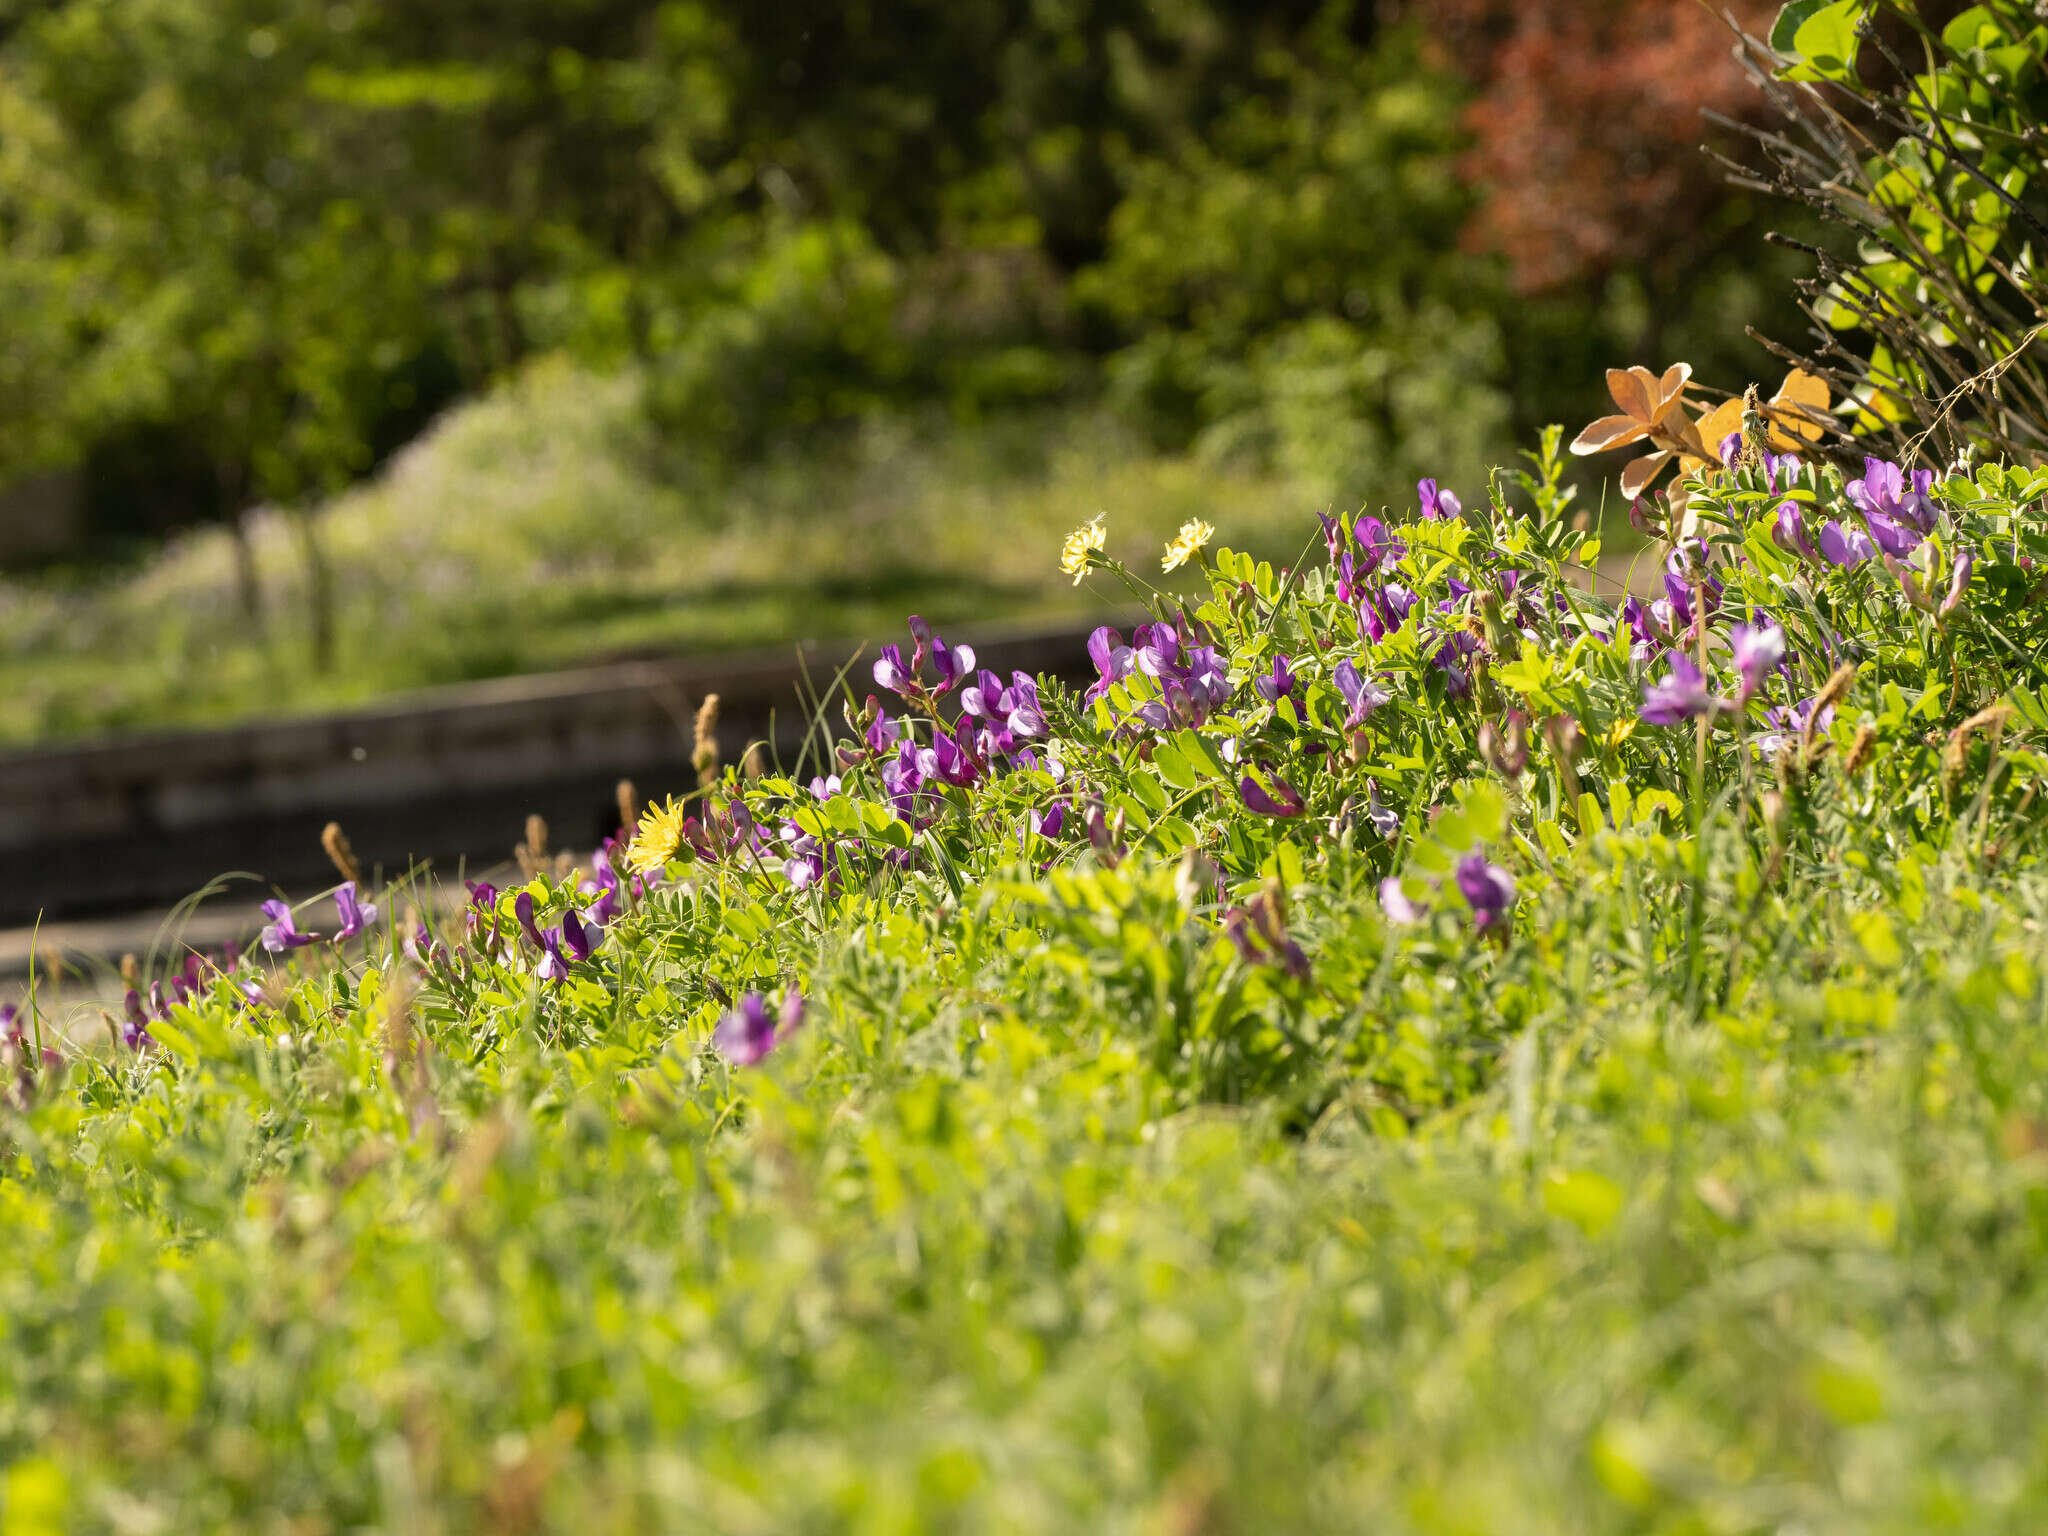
[1506, 748]
[1958, 584]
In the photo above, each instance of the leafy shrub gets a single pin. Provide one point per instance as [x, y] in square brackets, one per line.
[1922, 140]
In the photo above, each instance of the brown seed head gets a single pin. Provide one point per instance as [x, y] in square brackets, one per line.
[343, 857]
[704, 753]
[629, 806]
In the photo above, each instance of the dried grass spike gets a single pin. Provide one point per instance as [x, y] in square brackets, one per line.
[335, 841]
[704, 751]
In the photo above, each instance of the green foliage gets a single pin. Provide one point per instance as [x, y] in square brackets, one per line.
[1161, 1168]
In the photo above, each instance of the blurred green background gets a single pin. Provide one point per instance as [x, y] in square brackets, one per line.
[354, 345]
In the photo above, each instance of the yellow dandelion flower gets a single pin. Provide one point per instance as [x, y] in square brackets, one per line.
[1081, 543]
[656, 841]
[1193, 538]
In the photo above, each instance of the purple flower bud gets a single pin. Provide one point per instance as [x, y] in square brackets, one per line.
[1730, 449]
[1958, 583]
[1285, 800]
[522, 910]
[1788, 532]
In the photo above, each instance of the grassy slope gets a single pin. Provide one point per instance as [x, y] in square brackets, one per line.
[1714, 1199]
[536, 529]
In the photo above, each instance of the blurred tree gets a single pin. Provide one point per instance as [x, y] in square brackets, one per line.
[1587, 125]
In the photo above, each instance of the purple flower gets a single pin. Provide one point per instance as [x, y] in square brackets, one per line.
[1383, 610]
[281, 934]
[355, 915]
[1758, 648]
[604, 884]
[1380, 546]
[1844, 547]
[1050, 822]
[522, 910]
[1361, 695]
[1643, 625]
[1395, 903]
[906, 677]
[1488, 889]
[1682, 583]
[1785, 721]
[1011, 713]
[748, 1033]
[1882, 495]
[1112, 660]
[1384, 820]
[1284, 801]
[1334, 537]
[1788, 532]
[1730, 448]
[580, 942]
[1279, 682]
[1437, 506]
[1681, 696]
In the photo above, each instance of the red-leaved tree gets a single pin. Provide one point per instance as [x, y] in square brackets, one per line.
[1587, 127]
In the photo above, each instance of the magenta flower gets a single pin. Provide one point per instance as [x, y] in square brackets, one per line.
[281, 933]
[1681, 696]
[749, 1033]
[1437, 506]
[1488, 889]
[1758, 648]
[1285, 800]
[355, 915]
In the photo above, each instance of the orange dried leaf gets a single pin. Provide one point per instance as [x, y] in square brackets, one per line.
[1608, 432]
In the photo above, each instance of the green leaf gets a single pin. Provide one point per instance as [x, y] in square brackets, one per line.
[1201, 754]
[1826, 41]
[1589, 1201]
[1789, 21]
[1173, 767]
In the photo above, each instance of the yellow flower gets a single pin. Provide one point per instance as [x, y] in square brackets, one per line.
[1193, 538]
[1082, 542]
[656, 841]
